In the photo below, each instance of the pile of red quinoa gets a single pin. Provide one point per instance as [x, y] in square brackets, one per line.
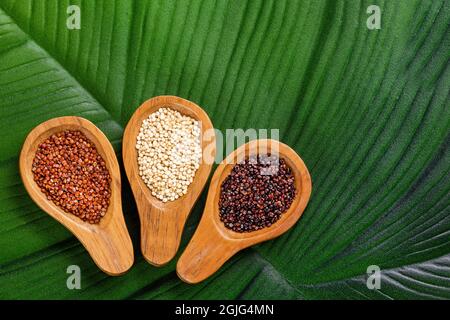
[73, 175]
[256, 193]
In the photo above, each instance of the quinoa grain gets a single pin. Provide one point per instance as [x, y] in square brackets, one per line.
[73, 175]
[250, 200]
[169, 153]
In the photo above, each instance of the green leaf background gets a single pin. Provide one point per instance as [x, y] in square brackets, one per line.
[368, 111]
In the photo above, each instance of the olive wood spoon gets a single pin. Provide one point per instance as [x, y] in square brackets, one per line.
[108, 242]
[162, 223]
[213, 244]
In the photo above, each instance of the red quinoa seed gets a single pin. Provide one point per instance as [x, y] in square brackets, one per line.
[73, 175]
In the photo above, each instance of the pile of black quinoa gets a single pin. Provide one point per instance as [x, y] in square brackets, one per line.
[256, 193]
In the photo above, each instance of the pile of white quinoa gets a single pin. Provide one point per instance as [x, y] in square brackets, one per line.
[169, 153]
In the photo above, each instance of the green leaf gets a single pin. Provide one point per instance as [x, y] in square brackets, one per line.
[368, 111]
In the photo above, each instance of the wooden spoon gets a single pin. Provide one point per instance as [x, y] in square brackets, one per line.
[108, 242]
[213, 244]
[162, 223]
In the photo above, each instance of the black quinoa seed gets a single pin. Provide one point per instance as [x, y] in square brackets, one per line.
[256, 193]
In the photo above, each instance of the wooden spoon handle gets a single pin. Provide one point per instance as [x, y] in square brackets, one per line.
[205, 254]
[110, 248]
[161, 232]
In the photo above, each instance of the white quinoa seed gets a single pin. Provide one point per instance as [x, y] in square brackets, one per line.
[169, 153]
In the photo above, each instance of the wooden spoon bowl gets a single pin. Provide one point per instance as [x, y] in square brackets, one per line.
[108, 242]
[162, 223]
[213, 244]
